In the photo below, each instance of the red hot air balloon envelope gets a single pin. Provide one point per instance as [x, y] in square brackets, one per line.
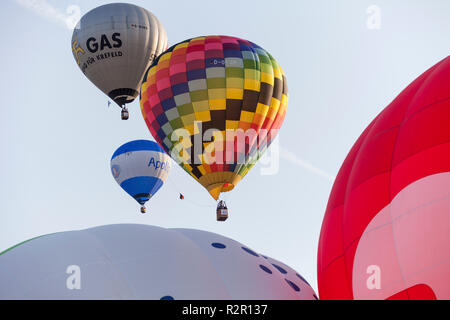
[386, 231]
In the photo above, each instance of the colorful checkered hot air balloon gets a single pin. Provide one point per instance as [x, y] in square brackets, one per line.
[214, 103]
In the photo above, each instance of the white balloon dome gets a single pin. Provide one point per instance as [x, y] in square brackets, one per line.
[128, 261]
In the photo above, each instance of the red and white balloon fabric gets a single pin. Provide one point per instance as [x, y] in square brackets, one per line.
[386, 231]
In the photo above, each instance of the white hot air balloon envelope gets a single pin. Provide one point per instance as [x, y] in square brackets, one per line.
[114, 45]
[144, 262]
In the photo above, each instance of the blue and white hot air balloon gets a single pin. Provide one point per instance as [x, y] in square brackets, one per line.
[140, 167]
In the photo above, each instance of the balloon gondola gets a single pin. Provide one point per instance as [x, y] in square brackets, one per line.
[125, 114]
[221, 211]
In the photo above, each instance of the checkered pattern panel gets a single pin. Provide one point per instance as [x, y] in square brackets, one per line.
[217, 83]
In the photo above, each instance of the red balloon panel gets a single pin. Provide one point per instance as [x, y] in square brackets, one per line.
[386, 231]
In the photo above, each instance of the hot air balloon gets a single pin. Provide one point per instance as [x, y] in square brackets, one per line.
[130, 261]
[114, 44]
[386, 231]
[140, 167]
[214, 103]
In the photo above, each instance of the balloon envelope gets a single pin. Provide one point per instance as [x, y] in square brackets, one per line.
[386, 231]
[214, 83]
[114, 44]
[144, 262]
[140, 167]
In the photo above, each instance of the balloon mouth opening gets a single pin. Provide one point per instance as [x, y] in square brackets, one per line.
[227, 187]
[218, 182]
[123, 96]
[216, 189]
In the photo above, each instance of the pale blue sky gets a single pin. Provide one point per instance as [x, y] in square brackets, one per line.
[57, 133]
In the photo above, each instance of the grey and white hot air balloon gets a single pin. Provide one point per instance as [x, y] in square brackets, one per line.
[132, 261]
[114, 44]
